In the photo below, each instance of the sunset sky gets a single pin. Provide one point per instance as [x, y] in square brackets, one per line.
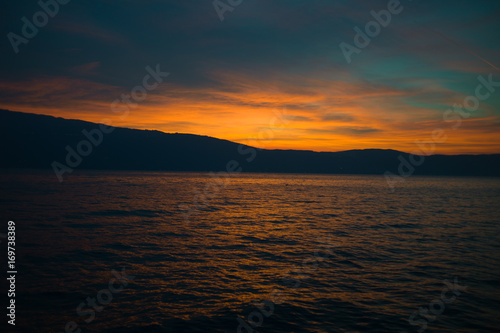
[230, 79]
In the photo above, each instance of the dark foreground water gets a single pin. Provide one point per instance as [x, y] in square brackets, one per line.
[315, 253]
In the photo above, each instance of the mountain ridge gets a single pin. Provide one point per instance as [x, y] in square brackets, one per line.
[38, 141]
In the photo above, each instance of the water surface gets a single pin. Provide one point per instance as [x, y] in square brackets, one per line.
[386, 254]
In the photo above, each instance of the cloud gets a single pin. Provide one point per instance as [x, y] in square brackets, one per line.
[292, 117]
[349, 131]
[356, 130]
[87, 69]
[228, 79]
[338, 117]
[92, 31]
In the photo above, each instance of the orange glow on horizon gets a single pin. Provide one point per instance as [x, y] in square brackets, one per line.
[321, 115]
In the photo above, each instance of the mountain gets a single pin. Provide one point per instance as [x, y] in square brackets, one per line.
[46, 142]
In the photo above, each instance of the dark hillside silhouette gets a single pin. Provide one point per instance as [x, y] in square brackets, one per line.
[36, 141]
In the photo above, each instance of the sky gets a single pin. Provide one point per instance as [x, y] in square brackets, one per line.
[271, 73]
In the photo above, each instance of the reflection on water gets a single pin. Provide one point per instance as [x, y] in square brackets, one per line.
[386, 254]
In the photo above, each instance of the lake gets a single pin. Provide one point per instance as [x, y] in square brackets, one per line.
[194, 252]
